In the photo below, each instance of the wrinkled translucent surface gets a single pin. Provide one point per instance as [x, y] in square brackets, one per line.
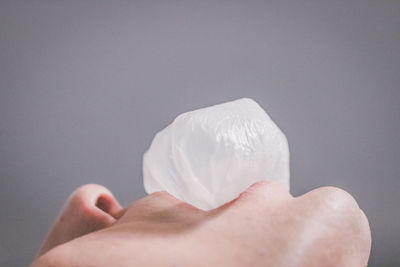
[207, 157]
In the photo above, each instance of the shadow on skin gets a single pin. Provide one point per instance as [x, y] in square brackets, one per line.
[162, 214]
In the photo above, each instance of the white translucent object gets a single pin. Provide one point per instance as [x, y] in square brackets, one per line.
[207, 157]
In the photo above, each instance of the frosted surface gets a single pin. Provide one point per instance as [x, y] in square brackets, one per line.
[207, 157]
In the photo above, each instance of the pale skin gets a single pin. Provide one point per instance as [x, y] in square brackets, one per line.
[264, 226]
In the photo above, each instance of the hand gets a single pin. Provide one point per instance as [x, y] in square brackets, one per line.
[264, 226]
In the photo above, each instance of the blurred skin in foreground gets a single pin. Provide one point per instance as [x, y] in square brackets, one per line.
[264, 226]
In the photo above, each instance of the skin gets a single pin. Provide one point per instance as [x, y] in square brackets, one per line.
[264, 226]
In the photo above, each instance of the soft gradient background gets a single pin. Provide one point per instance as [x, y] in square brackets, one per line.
[84, 86]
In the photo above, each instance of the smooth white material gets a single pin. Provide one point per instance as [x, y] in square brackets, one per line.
[207, 157]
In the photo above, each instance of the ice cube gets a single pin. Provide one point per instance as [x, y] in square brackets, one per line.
[207, 157]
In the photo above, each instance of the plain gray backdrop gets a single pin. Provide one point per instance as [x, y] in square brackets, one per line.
[84, 86]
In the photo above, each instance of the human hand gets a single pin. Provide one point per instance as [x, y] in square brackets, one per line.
[264, 226]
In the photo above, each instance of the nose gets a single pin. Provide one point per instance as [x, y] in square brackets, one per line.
[89, 208]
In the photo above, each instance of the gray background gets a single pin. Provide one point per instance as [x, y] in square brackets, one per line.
[84, 86]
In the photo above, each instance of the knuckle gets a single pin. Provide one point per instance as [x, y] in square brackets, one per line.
[338, 213]
[336, 204]
[264, 188]
[264, 194]
[339, 204]
[334, 198]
